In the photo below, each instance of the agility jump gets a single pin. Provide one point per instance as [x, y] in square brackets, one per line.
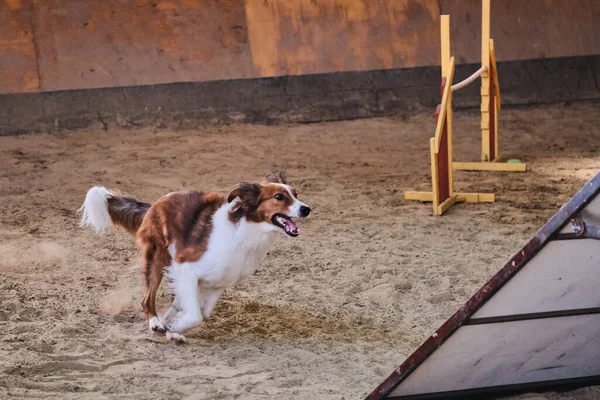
[442, 195]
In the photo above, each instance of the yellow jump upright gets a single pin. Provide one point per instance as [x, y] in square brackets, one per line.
[490, 105]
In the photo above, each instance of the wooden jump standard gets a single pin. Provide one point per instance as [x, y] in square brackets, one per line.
[490, 103]
[442, 194]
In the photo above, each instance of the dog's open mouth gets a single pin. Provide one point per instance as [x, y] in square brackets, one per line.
[285, 223]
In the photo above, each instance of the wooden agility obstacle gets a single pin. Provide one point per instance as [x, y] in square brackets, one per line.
[442, 194]
[490, 102]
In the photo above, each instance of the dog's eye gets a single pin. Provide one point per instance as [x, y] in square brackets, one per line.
[279, 196]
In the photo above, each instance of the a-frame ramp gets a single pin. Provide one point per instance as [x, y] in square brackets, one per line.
[534, 326]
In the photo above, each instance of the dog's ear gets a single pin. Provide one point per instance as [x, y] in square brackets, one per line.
[275, 177]
[249, 195]
[246, 192]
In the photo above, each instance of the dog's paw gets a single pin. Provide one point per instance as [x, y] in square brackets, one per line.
[176, 337]
[156, 325]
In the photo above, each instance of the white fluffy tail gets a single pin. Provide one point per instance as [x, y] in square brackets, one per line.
[95, 210]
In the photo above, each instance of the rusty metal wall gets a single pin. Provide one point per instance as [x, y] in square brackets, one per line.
[49, 45]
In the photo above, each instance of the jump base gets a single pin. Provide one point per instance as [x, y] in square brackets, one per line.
[454, 199]
[489, 166]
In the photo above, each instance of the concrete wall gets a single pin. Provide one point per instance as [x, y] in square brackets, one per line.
[50, 45]
[294, 99]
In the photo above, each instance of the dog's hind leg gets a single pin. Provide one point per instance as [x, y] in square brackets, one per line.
[154, 264]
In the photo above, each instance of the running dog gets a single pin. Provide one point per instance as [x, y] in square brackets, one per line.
[202, 242]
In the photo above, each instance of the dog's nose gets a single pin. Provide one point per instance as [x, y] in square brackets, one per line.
[304, 211]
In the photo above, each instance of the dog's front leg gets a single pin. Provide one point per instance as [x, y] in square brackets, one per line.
[185, 305]
[209, 300]
[171, 312]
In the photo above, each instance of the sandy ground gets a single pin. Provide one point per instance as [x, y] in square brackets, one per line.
[328, 315]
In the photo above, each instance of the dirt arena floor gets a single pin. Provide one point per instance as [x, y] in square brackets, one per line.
[328, 315]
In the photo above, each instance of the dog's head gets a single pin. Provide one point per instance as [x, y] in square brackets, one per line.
[272, 202]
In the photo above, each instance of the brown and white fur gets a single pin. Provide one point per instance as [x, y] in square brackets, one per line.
[202, 242]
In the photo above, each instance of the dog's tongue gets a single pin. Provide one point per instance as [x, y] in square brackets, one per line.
[290, 227]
